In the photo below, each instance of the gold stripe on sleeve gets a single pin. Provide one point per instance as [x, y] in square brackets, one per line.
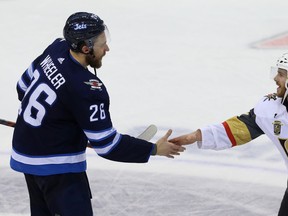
[239, 130]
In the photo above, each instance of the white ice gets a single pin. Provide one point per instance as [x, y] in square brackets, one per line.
[177, 64]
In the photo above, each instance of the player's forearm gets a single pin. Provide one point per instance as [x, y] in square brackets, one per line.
[213, 137]
[131, 150]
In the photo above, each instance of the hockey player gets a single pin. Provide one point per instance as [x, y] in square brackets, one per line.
[63, 108]
[268, 117]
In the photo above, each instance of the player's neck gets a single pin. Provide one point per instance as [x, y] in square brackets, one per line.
[79, 57]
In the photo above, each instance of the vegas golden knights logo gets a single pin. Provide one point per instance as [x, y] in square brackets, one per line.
[277, 127]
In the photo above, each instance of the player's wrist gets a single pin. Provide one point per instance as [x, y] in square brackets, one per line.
[154, 150]
[198, 135]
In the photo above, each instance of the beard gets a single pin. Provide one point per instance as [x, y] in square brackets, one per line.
[93, 61]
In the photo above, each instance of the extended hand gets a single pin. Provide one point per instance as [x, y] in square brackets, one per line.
[188, 138]
[166, 148]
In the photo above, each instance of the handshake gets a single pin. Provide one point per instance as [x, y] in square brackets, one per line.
[170, 147]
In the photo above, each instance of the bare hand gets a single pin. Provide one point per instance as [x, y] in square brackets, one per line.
[166, 148]
[188, 138]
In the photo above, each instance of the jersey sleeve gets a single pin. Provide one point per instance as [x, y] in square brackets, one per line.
[90, 106]
[234, 131]
[129, 149]
[26, 79]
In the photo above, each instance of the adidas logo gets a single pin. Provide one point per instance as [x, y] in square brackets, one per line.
[60, 60]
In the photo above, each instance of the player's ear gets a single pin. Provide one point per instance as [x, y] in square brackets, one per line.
[85, 49]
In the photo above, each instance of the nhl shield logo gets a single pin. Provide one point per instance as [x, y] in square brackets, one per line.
[277, 127]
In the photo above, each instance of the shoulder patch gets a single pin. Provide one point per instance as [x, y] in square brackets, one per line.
[270, 97]
[94, 84]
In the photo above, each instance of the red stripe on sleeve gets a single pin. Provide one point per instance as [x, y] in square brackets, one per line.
[229, 133]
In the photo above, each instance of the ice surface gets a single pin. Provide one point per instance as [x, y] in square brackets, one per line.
[192, 64]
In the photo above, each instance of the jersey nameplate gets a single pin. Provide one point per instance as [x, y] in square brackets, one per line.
[50, 70]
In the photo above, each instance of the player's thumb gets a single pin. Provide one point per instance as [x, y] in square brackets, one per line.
[168, 133]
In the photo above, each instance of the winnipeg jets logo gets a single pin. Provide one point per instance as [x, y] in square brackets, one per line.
[78, 26]
[95, 84]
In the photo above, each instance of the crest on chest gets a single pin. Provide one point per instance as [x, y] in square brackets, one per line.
[277, 127]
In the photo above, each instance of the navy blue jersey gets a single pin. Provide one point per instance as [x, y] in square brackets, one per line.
[63, 107]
